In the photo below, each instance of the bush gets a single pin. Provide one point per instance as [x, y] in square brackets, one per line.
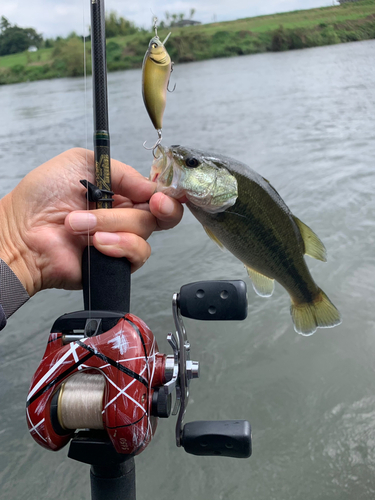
[221, 36]
[329, 36]
[114, 52]
[351, 36]
[116, 25]
[69, 59]
[297, 40]
[314, 39]
[119, 65]
[17, 69]
[279, 40]
[49, 43]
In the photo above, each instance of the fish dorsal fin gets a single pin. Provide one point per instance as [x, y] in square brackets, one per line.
[211, 235]
[313, 246]
[262, 285]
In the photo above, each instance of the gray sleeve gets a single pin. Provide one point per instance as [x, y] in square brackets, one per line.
[3, 320]
[12, 293]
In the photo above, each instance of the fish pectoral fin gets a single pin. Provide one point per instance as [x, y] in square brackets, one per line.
[211, 235]
[313, 246]
[263, 285]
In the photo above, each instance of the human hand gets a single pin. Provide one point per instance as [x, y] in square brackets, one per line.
[45, 225]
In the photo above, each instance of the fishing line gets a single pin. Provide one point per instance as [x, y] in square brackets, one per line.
[86, 138]
[80, 401]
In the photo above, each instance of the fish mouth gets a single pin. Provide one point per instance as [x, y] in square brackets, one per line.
[166, 174]
[183, 199]
[161, 164]
[155, 177]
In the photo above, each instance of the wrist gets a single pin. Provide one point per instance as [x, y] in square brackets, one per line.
[13, 250]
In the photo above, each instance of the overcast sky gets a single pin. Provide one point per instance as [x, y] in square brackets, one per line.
[60, 17]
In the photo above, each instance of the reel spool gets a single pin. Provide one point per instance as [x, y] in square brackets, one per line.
[80, 402]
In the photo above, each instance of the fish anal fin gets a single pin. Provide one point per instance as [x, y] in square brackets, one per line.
[263, 285]
[320, 313]
[211, 235]
[313, 246]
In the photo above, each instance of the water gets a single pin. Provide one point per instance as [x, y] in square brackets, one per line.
[305, 121]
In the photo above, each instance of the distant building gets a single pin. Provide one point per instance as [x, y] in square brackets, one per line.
[185, 22]
[32, 48]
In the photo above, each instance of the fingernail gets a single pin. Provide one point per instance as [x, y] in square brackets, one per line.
[166, 205]
[107, 238]
[82, 221]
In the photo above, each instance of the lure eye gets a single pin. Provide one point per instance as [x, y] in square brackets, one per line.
[154, 46]
[191, 162]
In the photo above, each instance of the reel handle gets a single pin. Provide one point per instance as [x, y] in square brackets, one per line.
[214, 300]
[226, 438]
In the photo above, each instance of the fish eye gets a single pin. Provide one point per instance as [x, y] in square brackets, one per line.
[191, 162]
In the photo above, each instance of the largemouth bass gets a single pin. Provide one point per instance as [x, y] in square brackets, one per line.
[242, 212]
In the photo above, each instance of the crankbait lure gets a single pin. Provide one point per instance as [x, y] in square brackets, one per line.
[156, 71]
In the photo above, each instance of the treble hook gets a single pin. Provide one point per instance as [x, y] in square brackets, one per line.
[156, 145]
[174, 88]
[172, 64]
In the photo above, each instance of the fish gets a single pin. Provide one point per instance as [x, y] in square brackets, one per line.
[156, 71]
[241, 211]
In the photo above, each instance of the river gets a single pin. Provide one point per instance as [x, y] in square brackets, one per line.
[305, 121]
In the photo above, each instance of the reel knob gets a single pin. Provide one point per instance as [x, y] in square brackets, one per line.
[214, 300]
[226, 438]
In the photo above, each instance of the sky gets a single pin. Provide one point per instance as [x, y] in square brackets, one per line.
[55, 18]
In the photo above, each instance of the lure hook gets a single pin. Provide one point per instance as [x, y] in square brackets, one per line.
[155, 146]
[174, 87]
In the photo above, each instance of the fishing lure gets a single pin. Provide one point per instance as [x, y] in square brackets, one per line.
[156, 71]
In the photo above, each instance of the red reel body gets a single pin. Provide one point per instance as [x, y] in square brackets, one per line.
[127, 356]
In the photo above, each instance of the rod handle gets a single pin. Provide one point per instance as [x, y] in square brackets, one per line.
[105, 281]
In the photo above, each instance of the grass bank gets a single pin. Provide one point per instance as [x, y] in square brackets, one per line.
[286, 31]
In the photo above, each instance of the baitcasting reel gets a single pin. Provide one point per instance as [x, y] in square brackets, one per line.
[102, 372]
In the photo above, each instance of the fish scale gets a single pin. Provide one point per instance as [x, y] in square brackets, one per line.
[271, 252]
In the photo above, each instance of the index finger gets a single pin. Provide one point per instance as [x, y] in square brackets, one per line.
[127, 182]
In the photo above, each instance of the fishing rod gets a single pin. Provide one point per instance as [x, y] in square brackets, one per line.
[102, 384]
[109, 277]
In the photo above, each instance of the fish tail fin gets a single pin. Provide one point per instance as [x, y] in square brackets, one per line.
[320, 313]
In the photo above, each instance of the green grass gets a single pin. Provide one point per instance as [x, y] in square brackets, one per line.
[24, 58]
[284, 31]
[297, 19]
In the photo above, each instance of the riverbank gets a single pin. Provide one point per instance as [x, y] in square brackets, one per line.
[286, 31]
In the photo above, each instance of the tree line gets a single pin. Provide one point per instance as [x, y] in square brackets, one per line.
[14, 39]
